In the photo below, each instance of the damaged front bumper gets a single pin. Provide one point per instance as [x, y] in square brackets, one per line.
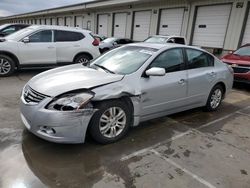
[55, 126]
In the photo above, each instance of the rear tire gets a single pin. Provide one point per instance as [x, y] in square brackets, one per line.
[111, 122]
[215, 98]
[7, 66]
[83, 59]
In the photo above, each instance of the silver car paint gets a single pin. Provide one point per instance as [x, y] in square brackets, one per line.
[148, 95]
[69, 78]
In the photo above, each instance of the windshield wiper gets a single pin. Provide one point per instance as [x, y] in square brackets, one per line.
[104, 68]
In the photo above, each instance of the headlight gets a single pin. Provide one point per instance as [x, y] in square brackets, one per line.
[70, 102]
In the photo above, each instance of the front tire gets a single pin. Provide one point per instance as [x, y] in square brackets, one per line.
[111, 122]
[215, 98]
[7, 66]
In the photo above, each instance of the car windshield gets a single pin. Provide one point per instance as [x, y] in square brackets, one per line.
[108, 40]
[124, 60]
[19, 33]
[244, 51]
[156, 39]
[3, 26]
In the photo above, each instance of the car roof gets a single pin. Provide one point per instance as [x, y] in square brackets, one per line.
[166, 36]
[37, 27]
[164, 46]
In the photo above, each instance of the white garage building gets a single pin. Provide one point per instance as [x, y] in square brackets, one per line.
[219, 25]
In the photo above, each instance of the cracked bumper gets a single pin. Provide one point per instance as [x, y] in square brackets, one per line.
[55, 126]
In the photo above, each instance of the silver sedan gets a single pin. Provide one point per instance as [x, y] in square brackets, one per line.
[120, 89]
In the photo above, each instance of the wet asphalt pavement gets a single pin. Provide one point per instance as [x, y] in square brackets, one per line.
[191, 149]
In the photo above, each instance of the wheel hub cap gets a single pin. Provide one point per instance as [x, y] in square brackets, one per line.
[216, 98]
[112, 122]
[83, 61]
[4, 66]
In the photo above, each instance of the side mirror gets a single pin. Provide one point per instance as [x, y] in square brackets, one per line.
[26, 40]
[115, 43]
[156, 71]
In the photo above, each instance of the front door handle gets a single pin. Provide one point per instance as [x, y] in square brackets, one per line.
[51, 47]
[181, 81]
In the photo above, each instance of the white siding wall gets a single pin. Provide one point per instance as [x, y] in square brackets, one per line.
[246, 36]
[171, 12]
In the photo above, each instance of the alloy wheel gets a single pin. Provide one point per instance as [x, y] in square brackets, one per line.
[112, 122]
[216, 98]
[5, 66]
[83, 61]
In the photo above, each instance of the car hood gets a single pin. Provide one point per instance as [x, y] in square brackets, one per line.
[234, 59]
[68, 78]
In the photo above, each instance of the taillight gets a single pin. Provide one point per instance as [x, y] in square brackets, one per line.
[95, 42]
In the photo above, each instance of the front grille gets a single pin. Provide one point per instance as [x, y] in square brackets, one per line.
[241, 69]
[31, 96]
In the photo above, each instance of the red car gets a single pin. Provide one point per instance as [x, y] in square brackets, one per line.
[239, 60]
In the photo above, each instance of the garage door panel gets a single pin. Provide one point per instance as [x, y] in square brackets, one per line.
[211, 25]
[69, 21]
[171, 21]
[61, 21]
[141, 28]
[80, 22]
[103, 24]
[246, 36]
[120, 22]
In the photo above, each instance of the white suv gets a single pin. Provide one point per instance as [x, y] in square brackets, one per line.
[43, 45]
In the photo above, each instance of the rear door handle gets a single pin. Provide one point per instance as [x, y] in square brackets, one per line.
[77, 46]
[51, 47]
[181, 81]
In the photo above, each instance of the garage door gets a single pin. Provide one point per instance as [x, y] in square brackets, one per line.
[141, 26]
[53, 21]
[120, 22]
[69, 21]
[246, 37]
[42, 21]
[103, 24]
[171, 21]
[61, 21]
[211, 26]
[80, 22]
[48, 21]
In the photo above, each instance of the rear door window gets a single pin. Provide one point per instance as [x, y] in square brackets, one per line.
[68, 36]
[198, 59]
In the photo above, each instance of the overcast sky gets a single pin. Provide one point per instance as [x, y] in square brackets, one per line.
[10, 7]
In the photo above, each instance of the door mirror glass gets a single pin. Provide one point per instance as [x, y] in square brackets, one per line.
[156, 71]
[26, 40]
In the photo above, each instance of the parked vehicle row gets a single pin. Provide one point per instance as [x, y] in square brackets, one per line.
[120, 89]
